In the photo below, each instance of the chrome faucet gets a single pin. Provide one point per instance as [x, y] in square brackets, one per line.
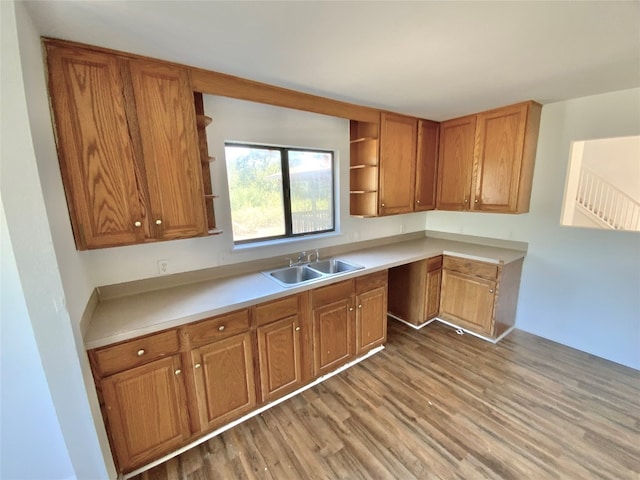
[303, 258]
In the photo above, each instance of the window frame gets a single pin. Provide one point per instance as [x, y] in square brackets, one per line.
[286, 192]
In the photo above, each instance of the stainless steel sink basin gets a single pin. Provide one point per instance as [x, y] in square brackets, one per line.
[334, 266]
[289, 276]
[299, 274]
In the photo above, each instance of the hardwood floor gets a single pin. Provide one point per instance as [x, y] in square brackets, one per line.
[436, 405]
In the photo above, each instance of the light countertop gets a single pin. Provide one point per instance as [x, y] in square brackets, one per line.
[124, 318]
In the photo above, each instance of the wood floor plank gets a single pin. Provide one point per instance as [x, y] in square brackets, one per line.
[437, 405]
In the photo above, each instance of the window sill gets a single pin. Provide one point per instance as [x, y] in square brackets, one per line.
[285, 241]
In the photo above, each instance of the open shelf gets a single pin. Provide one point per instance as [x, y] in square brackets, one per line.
[363, 166]
[203, 120]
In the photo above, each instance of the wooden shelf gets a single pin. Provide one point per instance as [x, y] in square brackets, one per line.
[362, 139]
[356, 167]
[203, 120]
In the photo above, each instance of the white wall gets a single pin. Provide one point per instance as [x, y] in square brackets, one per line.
[50, 307]
[31, 442]
[580, 287]
[236, 120]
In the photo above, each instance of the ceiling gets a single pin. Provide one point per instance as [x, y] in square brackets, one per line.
[436, 60]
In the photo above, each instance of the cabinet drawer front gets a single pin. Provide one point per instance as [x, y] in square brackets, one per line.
[434, 263]
[219, 327]
[331, 293]
[272, 311]
[369, 282]
[130, 354]
[471, 267]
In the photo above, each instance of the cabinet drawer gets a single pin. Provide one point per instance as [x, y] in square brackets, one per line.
[369, 282]
[219, 327]
[471, 267]
[272, 311]
[331, 293]
[434, 263]
[130, 354]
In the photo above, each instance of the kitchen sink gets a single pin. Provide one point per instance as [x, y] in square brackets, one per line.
[295, 275]
[333, 266]
[299, 274]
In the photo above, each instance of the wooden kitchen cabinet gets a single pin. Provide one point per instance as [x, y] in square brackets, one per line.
[398, 143]
[348, 319]
[479, 296]
[426, 165]
[141, 386]
[486, 160]
[414, 290]
[393, 166]
[455, 163]
[283, 346]
[127, 145]
[223, 370]
[371, 311]
[333, 326]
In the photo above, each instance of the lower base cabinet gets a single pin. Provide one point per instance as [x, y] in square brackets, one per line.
[414, 290]
[223, 373]
[165, 390]
[144, 408]
[480, 297]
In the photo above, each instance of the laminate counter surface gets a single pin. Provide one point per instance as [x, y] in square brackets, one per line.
[118, 319]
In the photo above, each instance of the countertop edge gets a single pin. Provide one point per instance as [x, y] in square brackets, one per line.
[389, 256]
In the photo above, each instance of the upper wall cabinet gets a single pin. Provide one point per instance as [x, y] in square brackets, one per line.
[426, 163]
[393, 165]
[486, 160]
[128, 147]
[398, 142]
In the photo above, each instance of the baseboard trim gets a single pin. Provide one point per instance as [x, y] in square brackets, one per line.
[415, 327]
[251, 414]
[453, 325]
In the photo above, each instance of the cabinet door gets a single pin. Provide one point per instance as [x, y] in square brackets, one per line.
[146, 411]
[456, 163]
[168, 133]
[224, 380]
[94, 147]
[432, 307]
[427, 158]
[371, 319]
[280, 359]
[467, 301]
[500, 142]
[398, 137]
[333, 336]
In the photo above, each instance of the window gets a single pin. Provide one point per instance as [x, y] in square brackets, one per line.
[603, 184]
[279, 192]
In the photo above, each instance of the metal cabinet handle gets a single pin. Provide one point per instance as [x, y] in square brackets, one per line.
[221, 328]
[382, 204]
[158, 222]
[197, 365]
[137, 224]
[466, 200]
[351, 309]
[297, 329]
[178, 371]
[491, 290]
[141, 352]
[359, 306]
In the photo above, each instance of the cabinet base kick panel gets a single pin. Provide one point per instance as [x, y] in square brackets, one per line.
[415, 327]
[452, 325]
[488, 339]
[250, 415]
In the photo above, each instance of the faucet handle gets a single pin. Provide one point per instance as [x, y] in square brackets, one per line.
[290, 261]
[317, 256]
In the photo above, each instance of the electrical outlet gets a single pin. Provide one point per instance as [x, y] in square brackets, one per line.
[163, 267]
